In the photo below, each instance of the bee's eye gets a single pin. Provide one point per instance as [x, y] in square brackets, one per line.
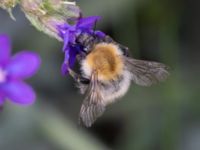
[85, 49]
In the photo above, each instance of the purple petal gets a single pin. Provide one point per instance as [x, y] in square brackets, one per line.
[88, 22]
[23, 65]
[19, 92]
[67, 55]
[2, 98]
[72, 57]
[65, 65]
[100, 34]
[62, 29]
[65, 26]
[64, 69]
[5, 49]
[66, 40]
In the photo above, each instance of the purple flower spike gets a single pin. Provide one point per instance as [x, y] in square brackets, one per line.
[69, 33]
[12, 72]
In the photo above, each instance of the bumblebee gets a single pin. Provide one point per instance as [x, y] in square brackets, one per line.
[107, 72]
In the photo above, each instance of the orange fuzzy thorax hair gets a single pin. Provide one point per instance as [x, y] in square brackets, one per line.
[106, 61]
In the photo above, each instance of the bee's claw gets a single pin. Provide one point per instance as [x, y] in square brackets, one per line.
[73, 74]
[78, 78]
[125, 50]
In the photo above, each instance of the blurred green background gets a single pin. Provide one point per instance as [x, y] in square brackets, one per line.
[163, 117]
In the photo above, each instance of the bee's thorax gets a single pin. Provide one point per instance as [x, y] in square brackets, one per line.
[105, 60]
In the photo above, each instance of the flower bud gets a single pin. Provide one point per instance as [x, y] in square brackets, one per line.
[8, 5]
[47, 15]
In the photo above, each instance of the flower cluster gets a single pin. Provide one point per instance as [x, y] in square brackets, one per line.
[70, 32]
[45, 15]
[60, 19]
[13, 70]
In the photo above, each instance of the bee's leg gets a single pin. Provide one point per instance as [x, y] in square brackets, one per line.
[78, 78]
[125, 50]
[108, 39]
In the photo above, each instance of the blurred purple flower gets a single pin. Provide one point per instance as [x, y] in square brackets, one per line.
[13, 70]
[69, 33]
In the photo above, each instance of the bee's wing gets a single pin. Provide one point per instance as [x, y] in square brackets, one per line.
[92, 106]
[146, 73]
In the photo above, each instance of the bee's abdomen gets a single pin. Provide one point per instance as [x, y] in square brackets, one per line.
[106, 61]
